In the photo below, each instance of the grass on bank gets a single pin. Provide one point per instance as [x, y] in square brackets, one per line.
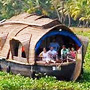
[17, 82]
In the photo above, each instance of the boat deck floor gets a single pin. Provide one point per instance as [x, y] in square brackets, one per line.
[57, 63]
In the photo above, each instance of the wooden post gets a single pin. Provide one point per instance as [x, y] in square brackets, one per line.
[78, 65]
[20, 50]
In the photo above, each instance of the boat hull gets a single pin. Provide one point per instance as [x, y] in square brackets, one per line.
[63, 72]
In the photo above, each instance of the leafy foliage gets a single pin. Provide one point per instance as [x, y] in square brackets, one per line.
[65, 10]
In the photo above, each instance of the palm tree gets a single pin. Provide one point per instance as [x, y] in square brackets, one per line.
[86, 13]
[80, 11]
[56, 3]
[59, 6]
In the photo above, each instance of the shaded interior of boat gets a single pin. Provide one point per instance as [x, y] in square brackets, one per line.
[62, 40]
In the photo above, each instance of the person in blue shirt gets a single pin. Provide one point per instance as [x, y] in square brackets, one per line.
[55, 45]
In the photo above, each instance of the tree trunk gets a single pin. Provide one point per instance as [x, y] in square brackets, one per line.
[69, 20]
[87, 24]
[57, 13]
[62, 13]
[83, 23]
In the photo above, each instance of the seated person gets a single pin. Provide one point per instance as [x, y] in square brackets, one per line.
[55, 45]
[73, 53]
[52, 54]
[44, 54]
[64, 52]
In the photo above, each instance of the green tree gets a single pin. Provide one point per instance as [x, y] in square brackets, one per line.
[11, 8]
[64, 10]
[80, 10]
[43, 7]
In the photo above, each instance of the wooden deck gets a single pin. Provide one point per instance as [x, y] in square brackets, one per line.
[53, 64]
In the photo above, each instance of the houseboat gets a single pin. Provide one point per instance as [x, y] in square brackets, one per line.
[22, 39]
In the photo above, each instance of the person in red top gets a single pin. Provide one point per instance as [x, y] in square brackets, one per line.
[73, 53]
[23, 52]
[23, 49]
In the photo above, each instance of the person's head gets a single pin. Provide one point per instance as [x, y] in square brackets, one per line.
[72, 49]
[51, 48]
[69, 49]
[63, 47]
[44, 49]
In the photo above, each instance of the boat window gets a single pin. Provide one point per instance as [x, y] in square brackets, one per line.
[17, 49]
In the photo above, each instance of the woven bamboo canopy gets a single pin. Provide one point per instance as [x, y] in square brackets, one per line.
[27, 30]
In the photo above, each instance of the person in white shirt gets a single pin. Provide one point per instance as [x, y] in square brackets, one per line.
[48, 56]
[52, 54]
[55, 45]
[44, 55]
